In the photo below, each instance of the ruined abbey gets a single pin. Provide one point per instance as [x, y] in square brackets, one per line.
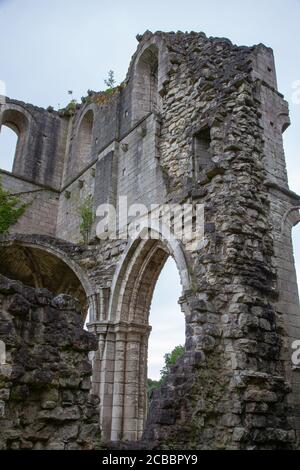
[197, 121]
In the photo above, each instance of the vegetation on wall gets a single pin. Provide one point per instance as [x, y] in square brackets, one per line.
[101, 97]
[152, 385]
[11, 209]
[87, 217]
[170, 360]
[110, 82]
[70, 109]
[98, 97]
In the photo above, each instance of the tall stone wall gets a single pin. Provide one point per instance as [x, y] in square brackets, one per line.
[42, 208]
[70, 202]
[197, 121]
[231, 388]
[45, 400]
[41, 143]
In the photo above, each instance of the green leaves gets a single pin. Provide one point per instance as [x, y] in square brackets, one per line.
[10, 209]
[170, 360]
[110, 81]
[152, 385]
[87, 217]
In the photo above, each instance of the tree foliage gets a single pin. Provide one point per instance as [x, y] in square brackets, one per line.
[152, 385]
[11, 209]
[170, 360]
[110, 82]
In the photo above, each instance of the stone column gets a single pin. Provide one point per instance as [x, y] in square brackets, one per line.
[93, 307]
[118, 386]
[143, 377]
[135, 382]
[131, 392]
[106, 385]
[103, 362]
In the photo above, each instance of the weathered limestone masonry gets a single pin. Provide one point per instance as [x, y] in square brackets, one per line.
[45, 381]
[198, 120]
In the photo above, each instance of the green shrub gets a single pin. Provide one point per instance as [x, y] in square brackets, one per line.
[11, 209]
[110, 82]
[170, 360]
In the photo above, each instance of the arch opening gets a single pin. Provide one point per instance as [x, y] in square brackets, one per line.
[145, 94]
[38, 268]
[8, 147]
[167, 324]
[84, 139]
[125, 359]
[13, 131]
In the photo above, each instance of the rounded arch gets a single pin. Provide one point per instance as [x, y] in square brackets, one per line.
[8, 147]
[145, 75]
[147, 59]
[84, 138]
[39, 263]
[284, 121]
[17, 119]
[290, 219]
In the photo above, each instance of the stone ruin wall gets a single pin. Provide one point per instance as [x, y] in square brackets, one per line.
[45, 400]
[235, 386]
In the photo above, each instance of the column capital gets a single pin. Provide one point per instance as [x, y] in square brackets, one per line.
[104, 326]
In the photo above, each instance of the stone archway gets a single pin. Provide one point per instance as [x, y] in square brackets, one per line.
[36, 261]
[84, 139]
[145, 97]
[123, 335]
[17, 119]
[8, 146]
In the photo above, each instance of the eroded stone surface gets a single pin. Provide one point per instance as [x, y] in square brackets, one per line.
[198, 120]
[45, 380]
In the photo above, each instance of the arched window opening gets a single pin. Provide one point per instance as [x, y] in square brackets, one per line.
[84, 139]
[145, 93]
[123, 412]
[8, 147]
[14, 132]
[202, 151]
[167, 321]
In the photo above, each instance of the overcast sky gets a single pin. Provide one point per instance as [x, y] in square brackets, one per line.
[51, 46]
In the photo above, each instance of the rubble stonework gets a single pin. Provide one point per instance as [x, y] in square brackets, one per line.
[197, 121]
[45, 385]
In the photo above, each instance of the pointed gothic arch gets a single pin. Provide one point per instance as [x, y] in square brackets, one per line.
[123, 365]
